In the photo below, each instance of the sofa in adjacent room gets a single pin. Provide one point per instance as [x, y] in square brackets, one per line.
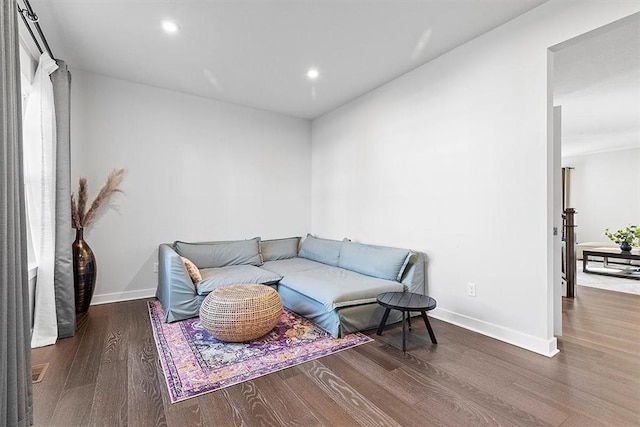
[331, 282]
[581, 247]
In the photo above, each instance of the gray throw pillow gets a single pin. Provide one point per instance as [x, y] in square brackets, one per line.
[272, 250]
[220, 254]
[321, 250]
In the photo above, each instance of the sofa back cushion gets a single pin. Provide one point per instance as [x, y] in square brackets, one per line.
[375, 261]
[273, 250]
[321, 250]
[220, 254]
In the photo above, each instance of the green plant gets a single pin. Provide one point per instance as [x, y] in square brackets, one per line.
[628, 234]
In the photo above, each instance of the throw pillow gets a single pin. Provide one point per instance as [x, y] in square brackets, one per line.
[193, 271]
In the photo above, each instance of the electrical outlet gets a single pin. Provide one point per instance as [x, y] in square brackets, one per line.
[471, 289]
[155, 267]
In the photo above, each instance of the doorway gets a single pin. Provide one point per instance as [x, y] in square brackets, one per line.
[594, 88]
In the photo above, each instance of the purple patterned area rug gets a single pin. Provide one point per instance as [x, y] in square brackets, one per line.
[195, 363]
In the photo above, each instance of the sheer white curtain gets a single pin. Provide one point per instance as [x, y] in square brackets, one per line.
[39, 130]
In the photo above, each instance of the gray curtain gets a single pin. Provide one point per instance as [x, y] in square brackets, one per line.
[16, 398]
[63, 274]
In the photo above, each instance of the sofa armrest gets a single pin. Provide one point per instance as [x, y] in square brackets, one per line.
[414, 275]
[175, 289]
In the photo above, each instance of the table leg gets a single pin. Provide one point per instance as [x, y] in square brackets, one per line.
[428, 325]
[383, 322]
[404, 332]
[409, 319]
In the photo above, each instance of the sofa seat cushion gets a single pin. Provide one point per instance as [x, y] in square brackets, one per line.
[291, 265]
[336, 287]
[213, 278]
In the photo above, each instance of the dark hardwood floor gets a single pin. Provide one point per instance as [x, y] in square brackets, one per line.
[109, 374]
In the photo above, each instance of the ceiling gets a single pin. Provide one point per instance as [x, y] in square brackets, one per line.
[597, 83]
[256, 52]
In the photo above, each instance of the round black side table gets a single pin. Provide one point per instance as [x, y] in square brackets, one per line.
[406, 302]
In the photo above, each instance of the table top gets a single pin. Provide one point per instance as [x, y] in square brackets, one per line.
[406, 301]
[614, 252]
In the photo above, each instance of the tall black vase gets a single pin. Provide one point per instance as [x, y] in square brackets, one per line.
[84, 272]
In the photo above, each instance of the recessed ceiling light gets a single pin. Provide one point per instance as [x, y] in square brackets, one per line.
[313, 73]
[170, 27]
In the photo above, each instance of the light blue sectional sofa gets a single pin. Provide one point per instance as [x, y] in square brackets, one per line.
[333, 283]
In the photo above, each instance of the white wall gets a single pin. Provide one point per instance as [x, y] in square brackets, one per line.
[605, 191]
[196, 170]
[452, 159]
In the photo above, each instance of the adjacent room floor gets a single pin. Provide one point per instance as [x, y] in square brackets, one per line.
[108, 374]
[630, 286]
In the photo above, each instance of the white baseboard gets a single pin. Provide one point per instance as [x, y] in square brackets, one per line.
[122, 296]
[547, 348]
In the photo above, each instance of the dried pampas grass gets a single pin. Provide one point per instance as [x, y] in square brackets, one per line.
[83, 196]
[80, 216]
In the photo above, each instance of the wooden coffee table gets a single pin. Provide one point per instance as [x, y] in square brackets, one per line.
[406, 302]
[632, 272]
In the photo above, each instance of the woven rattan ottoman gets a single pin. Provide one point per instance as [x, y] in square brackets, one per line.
[240, 313]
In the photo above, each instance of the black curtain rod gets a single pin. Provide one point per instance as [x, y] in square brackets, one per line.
[31, 17]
